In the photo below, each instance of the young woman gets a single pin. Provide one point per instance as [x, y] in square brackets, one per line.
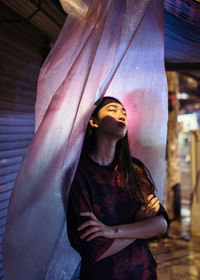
[112, 208]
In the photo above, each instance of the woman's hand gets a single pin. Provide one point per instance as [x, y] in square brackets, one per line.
[96, 228]
[151, 209]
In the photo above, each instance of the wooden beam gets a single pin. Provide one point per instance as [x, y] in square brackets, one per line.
[182, 66]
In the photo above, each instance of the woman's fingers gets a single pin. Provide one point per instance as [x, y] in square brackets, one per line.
[94, 235]
[152, 201]
[87, 224]
[156, 206]
[149, 197]
[96, 228]
[152, 212]
[147, 211]
[88, 214]
[152, 204]
[153, 208]
[89, 231]
[93, 223]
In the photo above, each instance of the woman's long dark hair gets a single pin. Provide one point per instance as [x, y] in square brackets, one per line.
[127, 170]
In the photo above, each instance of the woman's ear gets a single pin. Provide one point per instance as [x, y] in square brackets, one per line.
[93, 122]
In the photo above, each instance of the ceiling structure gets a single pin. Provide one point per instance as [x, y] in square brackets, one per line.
[47, 15]
[182, 45]
[181, 29]
[182, 36]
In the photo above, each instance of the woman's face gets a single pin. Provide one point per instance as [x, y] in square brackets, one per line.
[111, 120]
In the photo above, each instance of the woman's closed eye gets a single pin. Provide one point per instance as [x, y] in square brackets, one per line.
[113, 110]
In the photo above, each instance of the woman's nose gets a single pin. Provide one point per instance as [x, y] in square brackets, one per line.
[122, 118]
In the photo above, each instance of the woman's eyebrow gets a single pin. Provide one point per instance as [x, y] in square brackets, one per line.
[115, 106]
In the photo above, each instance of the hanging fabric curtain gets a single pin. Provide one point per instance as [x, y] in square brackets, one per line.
[107, 47]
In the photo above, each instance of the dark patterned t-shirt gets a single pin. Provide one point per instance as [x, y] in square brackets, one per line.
[98, 189]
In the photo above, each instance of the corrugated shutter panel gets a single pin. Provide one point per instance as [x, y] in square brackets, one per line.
[21, 52]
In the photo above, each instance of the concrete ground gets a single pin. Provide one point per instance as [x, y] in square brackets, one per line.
[178, 254]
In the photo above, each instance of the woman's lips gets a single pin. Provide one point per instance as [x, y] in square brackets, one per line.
[121, 124]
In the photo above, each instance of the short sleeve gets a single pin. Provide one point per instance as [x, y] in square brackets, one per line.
[163, 212]
[80, 201]
[148, 186]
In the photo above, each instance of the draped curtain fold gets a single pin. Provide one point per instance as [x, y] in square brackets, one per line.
[107, 47]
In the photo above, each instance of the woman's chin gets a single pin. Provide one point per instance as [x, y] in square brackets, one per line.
[120, 135]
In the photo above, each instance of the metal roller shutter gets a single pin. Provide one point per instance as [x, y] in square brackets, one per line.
[21, 55]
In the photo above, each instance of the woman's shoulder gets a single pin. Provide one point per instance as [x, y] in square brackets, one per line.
[82, 164]
[137, 162]
[148, 184]
[139, 165]
[81, 174]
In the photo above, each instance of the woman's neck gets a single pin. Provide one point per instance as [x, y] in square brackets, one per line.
[105, 150]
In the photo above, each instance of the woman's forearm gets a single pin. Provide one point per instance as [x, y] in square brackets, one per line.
[117, 245]
[143, 229]
[126, 234]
